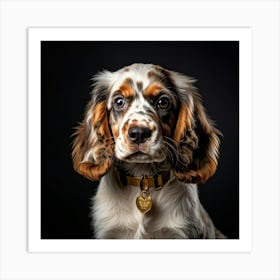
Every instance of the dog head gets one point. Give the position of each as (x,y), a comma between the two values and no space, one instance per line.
(145,114)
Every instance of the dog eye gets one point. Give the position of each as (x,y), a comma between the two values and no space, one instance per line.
(119,103)
(163,104)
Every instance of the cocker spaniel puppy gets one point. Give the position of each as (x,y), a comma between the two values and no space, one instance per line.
(147,138)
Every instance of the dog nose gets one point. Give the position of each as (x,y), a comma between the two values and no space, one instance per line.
(139,134)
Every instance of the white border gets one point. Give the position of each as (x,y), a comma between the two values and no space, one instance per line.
(262,16)
(243,35)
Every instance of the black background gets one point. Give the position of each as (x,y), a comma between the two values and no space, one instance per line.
(66,70)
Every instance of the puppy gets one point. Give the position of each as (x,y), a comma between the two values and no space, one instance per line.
(147,139)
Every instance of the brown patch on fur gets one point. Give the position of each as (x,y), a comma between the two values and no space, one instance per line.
(164,77)
(94,171)
(98,114)
(79,145)
(207,169)
(104,129)
(126,89)
(139,86)
(169,131)
(159,71)
(183,122)
(102,145)
(153,90)
(198,146)
(158,68)
(91,170)
(115,130)
(166,129)
(154,76)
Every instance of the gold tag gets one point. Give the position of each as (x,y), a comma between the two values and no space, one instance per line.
(144,204)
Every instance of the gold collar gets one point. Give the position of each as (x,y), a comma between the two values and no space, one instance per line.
(145,183)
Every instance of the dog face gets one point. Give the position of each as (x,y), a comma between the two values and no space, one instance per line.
(144,114)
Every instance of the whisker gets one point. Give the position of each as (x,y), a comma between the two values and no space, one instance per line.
(173,150)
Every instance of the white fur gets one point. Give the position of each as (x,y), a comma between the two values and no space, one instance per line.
(177,212)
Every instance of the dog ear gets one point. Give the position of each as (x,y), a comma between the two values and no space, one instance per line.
(93,145)
(197,140)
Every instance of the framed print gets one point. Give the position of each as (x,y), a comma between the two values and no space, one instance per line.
(61,64)
(219,60)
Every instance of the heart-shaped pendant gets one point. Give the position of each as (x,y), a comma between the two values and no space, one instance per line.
(144,204)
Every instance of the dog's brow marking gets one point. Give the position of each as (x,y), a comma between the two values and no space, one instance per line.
(153,90)
(126,89)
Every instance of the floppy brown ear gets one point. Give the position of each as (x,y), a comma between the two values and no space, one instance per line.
(198,142)
(93,143)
